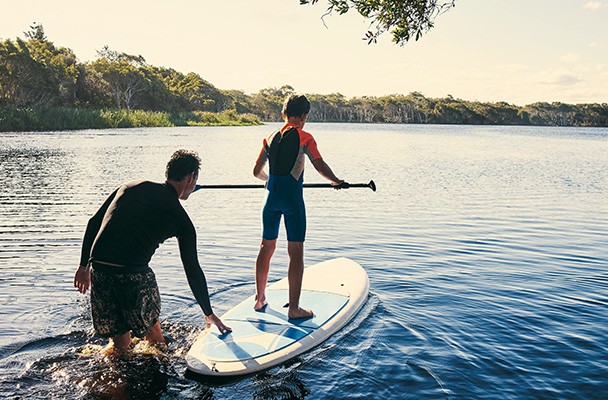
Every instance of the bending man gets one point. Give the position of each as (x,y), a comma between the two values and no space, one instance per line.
(119,242)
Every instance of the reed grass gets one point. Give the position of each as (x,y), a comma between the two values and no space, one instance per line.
(61,118)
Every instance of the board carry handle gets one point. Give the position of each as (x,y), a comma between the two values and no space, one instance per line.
(344,185)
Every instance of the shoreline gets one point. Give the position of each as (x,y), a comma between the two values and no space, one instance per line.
(20,120)
(69,119)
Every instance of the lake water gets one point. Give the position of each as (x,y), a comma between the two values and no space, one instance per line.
(486,248)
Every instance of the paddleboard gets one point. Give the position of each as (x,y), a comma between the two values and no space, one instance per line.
(335,290)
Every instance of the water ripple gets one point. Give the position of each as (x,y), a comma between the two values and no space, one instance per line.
(485,248)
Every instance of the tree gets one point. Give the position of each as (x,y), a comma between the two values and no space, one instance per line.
(36,32)
(36,73)
(158,95)
(240,101)
(268,102)
(112,55)
(124,74)
(193,93)
(60,68)
(404,19)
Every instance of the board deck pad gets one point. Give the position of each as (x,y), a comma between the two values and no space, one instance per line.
(256,333)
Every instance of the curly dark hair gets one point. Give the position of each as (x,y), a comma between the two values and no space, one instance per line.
(296,105)
(182,163)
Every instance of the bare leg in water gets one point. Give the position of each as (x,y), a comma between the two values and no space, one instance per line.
(122,342)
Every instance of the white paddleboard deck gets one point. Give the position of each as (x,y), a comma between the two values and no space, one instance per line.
(335,290)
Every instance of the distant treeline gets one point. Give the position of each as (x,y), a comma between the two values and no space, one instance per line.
(45,87)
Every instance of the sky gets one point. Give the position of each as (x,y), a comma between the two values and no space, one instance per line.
(518,51)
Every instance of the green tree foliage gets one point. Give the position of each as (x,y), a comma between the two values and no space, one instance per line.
(418,109)
(121,78)
(35,74)
(240,101)
(127,81)
(404,19)
(36,32)
(268,103)
(192,92)
(561,114)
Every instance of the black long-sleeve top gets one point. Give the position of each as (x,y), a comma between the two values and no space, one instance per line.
(133,221)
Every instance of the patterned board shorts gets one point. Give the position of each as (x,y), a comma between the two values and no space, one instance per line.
(123,302)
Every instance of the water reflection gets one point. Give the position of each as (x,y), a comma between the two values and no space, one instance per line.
(25,169)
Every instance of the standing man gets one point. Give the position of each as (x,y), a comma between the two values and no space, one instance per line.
(285,150)
(119,242)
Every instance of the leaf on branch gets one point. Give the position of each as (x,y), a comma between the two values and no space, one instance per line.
(371,37)
(404,19)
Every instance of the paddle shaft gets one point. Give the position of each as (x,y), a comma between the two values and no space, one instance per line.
(370,185)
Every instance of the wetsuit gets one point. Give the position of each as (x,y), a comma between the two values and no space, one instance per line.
(284,151)
(128,228)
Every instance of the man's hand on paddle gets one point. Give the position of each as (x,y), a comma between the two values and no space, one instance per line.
(82,279)
(213,319)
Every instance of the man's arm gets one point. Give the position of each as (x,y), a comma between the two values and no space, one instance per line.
(93,228)
(82,278)
(194,273)
(196,277)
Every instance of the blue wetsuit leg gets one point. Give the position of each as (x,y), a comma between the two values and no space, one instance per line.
(295,221)
(288,201)
(271,218)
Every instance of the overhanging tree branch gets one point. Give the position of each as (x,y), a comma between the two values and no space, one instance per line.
(404,19)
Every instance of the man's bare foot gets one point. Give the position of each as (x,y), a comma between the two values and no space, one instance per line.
(299,313)
(260,303)
(114,352)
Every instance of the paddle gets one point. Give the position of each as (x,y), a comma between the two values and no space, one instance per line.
(345,185)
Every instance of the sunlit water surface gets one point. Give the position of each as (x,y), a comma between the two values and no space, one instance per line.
(486,248)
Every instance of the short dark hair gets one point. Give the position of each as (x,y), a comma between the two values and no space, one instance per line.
(182,163)
(296,105)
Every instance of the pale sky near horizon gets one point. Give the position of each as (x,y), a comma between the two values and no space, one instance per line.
(519,51)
